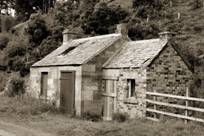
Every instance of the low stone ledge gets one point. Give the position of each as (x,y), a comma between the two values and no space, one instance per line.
(130,101)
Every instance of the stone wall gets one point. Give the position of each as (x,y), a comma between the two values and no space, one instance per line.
(168,73)
(133,106)
(53,92)
(92,79)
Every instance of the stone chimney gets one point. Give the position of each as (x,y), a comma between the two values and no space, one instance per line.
(68,35)
(122,29)
(166,35)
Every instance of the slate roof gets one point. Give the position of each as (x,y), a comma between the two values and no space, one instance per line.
(82,50)
(136,54)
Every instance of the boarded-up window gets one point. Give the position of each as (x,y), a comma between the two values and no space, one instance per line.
(44,84)
(131,88)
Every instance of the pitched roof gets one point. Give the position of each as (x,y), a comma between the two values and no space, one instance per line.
(136,54)
(79,51)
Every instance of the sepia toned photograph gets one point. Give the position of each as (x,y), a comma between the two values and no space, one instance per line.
(101,67)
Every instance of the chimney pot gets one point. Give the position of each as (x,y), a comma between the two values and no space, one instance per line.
(122,29)
(68,35)
(166,35)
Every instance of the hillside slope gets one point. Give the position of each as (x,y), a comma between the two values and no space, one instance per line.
(43,33)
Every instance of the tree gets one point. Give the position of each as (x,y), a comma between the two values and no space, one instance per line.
(25,8)
(67,13)
(197,4)
(148,8)
(5,5)
(103,19)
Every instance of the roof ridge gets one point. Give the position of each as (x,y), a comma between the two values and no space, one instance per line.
(102,50)
(79,54)
(116,53)
(142,41)
(98,36)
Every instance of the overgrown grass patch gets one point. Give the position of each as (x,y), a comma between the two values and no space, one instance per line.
(35,112)
(25,106)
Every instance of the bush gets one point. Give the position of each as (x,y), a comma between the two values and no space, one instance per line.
(140,31)
(25,70)
(196,4)
(16,64)
(7,22)
(148,8)
(37,30)
(120,117)
(16,87)
(4,39)
(16,48)
(91,116)
(47,46)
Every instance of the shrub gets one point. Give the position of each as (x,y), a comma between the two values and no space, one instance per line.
(47,46)
(37,30)
(140,31)
(120,117)
(148,8)
(3,41)
(25,70)
(91,116)
(16,64)
(57,33)
(7,22)
(16,87)
(16,48)
(196,4)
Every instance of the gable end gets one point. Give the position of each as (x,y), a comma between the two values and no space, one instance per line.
(173,45)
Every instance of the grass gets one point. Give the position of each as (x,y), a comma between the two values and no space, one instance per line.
(39,116)
(24,106)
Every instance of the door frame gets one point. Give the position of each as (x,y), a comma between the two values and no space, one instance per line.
(107,96)
(73,72)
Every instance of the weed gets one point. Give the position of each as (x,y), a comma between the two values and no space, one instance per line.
(120,117)
(91,116)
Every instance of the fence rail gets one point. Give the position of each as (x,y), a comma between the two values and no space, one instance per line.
(185,107)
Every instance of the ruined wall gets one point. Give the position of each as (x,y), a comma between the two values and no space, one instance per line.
(53,92)
(134,106)
(168,73)
(92,79)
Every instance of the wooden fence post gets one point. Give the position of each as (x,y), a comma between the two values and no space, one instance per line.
(154,98)
(186,111)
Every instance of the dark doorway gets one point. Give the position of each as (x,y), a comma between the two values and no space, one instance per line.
(44,83)
(67,95)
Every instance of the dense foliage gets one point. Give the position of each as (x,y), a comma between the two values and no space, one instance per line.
(4,39)
(103,19)
(42,33)
(16,87)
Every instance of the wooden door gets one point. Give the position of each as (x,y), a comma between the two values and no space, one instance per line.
(44,84)
(109,99)
(67,95)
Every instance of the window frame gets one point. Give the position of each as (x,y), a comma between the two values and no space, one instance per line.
(131,88)
(42,93)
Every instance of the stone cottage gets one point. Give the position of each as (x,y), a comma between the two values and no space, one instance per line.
(109,73)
